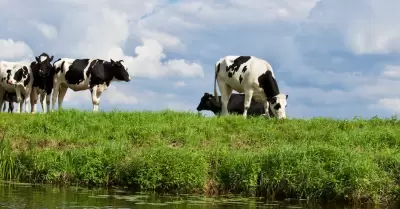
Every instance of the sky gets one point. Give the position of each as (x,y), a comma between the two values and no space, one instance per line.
(334,58)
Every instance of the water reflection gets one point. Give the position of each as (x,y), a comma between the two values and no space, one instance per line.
(17,196)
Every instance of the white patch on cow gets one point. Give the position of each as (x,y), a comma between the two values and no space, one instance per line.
(249,85)
(43,58)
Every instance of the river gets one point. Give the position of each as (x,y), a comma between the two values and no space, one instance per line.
(18,196)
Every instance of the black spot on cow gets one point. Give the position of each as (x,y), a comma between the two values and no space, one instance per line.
(240,78)
(75,75)
(218,68)
(277,107)
(28,78)
(230,74)
(269,84)
(239,61)
(244,69)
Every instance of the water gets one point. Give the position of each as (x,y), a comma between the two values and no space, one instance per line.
(18,196)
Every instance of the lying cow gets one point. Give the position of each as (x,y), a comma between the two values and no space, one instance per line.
(235,105)
(16,77)
(253,77)
(43,73)
(82,74)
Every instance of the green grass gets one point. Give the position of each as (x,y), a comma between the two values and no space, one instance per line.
(321,159)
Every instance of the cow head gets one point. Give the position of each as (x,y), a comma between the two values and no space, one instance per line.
(120,71)
(278,105)
(43,65)
(208,102)
(18,76)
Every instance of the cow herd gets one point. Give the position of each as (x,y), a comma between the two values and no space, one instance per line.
(23,81)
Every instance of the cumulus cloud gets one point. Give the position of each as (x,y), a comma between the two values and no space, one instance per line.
(14,50)
(391,104)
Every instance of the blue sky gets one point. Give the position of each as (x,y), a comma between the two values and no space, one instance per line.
(334,58)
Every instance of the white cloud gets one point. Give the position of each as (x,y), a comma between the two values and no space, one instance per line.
(391,71)
(179,84)
(391,104)
(47,30)
(115,96)
(14,50)
(369,30)
(148,63)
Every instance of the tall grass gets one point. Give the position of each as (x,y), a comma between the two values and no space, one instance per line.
(323,159)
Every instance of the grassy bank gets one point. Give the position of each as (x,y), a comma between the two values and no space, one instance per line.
(323,159)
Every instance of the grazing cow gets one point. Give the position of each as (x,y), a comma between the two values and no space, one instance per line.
(252,76)
(16,77)
(83,74)
(235,105)
(43,73)
(10,98)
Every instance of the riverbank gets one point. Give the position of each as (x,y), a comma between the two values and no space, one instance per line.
(321,159)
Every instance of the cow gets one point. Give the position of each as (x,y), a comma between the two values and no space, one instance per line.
(235,105)
(16,77)
(10,98)
(43,73)
(82,74)
(252,76)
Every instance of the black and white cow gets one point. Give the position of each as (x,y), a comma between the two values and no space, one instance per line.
(16,77)
(252,76)
(43,73)
(83,74)
(235,105)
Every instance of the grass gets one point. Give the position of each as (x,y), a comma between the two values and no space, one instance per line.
(319,159)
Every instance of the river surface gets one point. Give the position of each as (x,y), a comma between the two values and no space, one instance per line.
(18,196)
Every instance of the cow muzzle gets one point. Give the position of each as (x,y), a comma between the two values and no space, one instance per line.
(10,82)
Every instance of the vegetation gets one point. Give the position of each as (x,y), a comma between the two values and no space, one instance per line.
(323,159)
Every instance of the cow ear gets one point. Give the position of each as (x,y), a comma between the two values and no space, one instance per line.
(112,61)
(51,58)
(37,59)
(121,61)
(287,95)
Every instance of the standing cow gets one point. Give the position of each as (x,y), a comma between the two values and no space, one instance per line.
(43,73)
(16,77)
(235,105)
(83,74)
(252,76)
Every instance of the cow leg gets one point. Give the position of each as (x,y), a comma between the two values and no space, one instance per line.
(48,96)
(266,107)
(42,97)
(247,100)
(19,100)
(62,91)
(25,100)
(2,92)
(11,106)
(55,94)
(96,93)
(4,107)
(226,92)
(34,98)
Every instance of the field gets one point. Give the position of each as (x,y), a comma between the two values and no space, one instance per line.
(319,159)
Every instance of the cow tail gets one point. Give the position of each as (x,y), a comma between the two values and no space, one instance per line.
(217,67)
